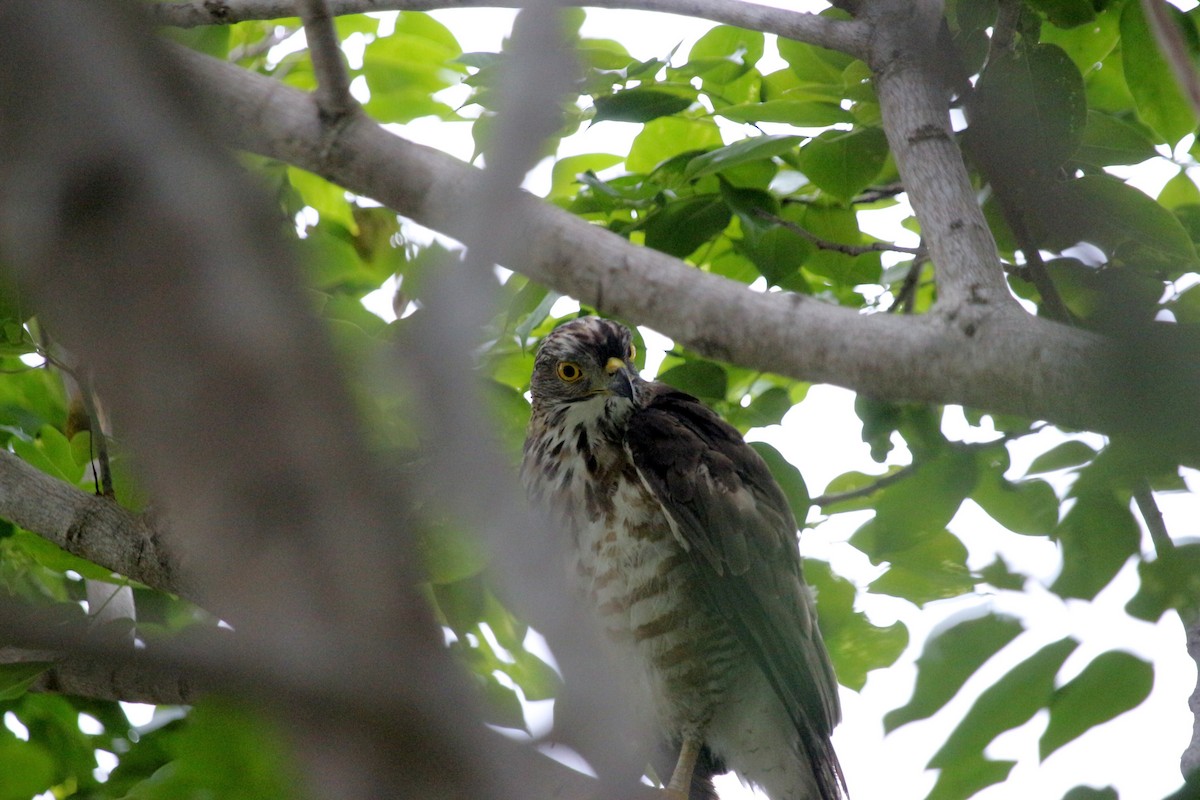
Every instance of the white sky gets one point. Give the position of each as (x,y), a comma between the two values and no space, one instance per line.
(1138,754)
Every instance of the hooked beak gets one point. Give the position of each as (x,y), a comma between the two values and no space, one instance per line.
(621,377)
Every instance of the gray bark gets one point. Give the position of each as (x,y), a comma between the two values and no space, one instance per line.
(977,349)
(846,36)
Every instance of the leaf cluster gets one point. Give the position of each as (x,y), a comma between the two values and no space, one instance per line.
(767,175)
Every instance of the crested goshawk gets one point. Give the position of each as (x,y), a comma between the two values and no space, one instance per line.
(686,547)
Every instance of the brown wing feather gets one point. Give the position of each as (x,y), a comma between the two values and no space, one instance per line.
(731,512)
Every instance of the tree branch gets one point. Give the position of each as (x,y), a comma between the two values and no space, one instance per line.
(1144,496)
(826,244)
(333,85)
(91,527)
(914,104)
(864,491)
(846,36)
(157,264)
(983,354)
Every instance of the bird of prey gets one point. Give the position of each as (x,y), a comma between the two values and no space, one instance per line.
(687,548)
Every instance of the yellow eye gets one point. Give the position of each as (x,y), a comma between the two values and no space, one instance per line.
(569,371)
(632,352)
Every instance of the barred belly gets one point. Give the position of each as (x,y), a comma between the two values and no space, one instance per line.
(641,582)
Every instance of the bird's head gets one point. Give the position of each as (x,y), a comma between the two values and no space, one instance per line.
(582,359)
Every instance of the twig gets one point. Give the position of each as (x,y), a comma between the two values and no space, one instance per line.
(262,46)
(846,36)
(887,480)
(826,244)
(99,436)
(1144,496)
(333,84)
(906,297)
(878,193)
(1174,49)
(1035,268)
(1004,33)
(869,489)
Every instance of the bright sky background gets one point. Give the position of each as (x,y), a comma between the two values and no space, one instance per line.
(1138,754)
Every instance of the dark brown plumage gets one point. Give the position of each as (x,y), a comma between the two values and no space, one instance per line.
(687,547)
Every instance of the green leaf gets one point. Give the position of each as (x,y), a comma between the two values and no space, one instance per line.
(16,678)
(839,225)
(502,705)
(1087,46)
(1090,793)
(1179,191)
(537,679)
(564,177)
(684,225)
(1112,684)
(332,261)
(51,453)
(1098,535)
(1160,102)
(950,657)
(1122,221)
(1032,109)
(423,26)
(28,769)
(777,251)
(448,554)
(642,104)
(53,557)
(768,408)
(405,69)
(856,646)
(224,751)
(999,575)
(852,482)
(918,507)
(969,776)
(1066,13)
(704,379)
(724,54)
(788,478)
(933,568)
(1062,456)
(1109,140)
(328,199)
(814,65)
(800,113)
(212,40)
(1006,704)
(666,137)
(1029,507)
(756,148)
(844,163)
(461,603)
(1171,581)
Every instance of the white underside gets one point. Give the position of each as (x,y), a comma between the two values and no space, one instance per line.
(753,734)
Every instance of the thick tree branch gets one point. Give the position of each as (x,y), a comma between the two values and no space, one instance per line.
(594,715)
(333,84)
(157,265)
(845,36)
(914,103)
(197,663)
(983,351)
(128,682)
(88,526)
